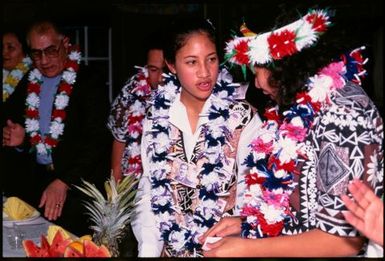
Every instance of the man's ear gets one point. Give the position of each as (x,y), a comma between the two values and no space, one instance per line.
(171,67)
(66,42)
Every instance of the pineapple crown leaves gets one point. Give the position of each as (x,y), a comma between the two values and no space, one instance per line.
(113,212)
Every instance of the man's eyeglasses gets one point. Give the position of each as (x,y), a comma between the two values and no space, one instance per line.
(50,52)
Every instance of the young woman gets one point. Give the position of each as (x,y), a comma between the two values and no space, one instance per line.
(193,135)
(324,132)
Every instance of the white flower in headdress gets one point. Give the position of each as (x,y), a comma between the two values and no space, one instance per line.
(306,36)
(259,50)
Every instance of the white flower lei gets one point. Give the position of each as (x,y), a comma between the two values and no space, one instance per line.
(44,145)
(11,79)
(185,238)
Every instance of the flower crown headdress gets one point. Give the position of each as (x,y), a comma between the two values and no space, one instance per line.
(264,48)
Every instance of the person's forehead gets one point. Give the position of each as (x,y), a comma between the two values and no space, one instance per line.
(48,38)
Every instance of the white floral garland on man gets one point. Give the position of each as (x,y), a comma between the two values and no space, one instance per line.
(44,145)
(216,134)
(11,79)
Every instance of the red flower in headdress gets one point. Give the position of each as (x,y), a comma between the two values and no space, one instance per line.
(35,139)
(241,50)
(318,21)
(282,44)
(51,142)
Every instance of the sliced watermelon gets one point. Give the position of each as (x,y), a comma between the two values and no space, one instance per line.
(72,252)
(32,250)
(92,250)
(59,244)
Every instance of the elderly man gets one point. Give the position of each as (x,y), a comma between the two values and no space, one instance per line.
(54,132)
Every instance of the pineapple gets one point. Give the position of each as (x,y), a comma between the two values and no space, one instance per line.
(110,215)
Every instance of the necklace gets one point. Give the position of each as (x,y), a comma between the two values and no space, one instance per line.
(44,145)
(11,79)
(183,238)
(141,92)
(275,151)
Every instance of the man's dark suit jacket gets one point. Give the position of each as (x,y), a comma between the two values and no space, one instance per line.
(83,150)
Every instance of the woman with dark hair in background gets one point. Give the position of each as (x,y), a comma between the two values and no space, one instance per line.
(16,62)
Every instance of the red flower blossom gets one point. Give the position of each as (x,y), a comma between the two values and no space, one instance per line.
(270,230)
(241,50)
(271,115)
(135,160)
(318,22)
(252,178)
(32,113)
(303,98)
(33,87)
(73,64)
(50,141)
(134,119)
(282,44)
(59,114)
(35,139)
(65,87)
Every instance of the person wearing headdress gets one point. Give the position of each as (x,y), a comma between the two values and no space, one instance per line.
(323,132)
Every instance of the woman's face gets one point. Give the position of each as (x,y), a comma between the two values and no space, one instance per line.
(262,82)
(12,51)
(196,66)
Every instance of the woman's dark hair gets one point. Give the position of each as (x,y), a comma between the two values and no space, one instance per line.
(20,36)
(291,73)
(181,29)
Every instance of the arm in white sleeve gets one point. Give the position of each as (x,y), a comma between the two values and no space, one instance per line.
(247,135)
(143,222)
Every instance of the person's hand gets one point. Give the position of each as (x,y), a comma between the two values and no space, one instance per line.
(13,134)
(227,226)
(366,212)
(228,247)
(53,199)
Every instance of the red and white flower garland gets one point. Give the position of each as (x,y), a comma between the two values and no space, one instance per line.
(275,151)
(277,44)
(44,145)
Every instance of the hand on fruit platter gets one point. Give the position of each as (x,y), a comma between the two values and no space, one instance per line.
(13,134)
(53,199)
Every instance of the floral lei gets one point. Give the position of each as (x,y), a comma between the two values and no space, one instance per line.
(140,92)
(279,143)
(44,145)
(14,76)
(181,238)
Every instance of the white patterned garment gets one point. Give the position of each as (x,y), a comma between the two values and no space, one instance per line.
(345,142)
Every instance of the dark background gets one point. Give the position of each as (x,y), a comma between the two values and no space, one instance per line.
(131,23)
